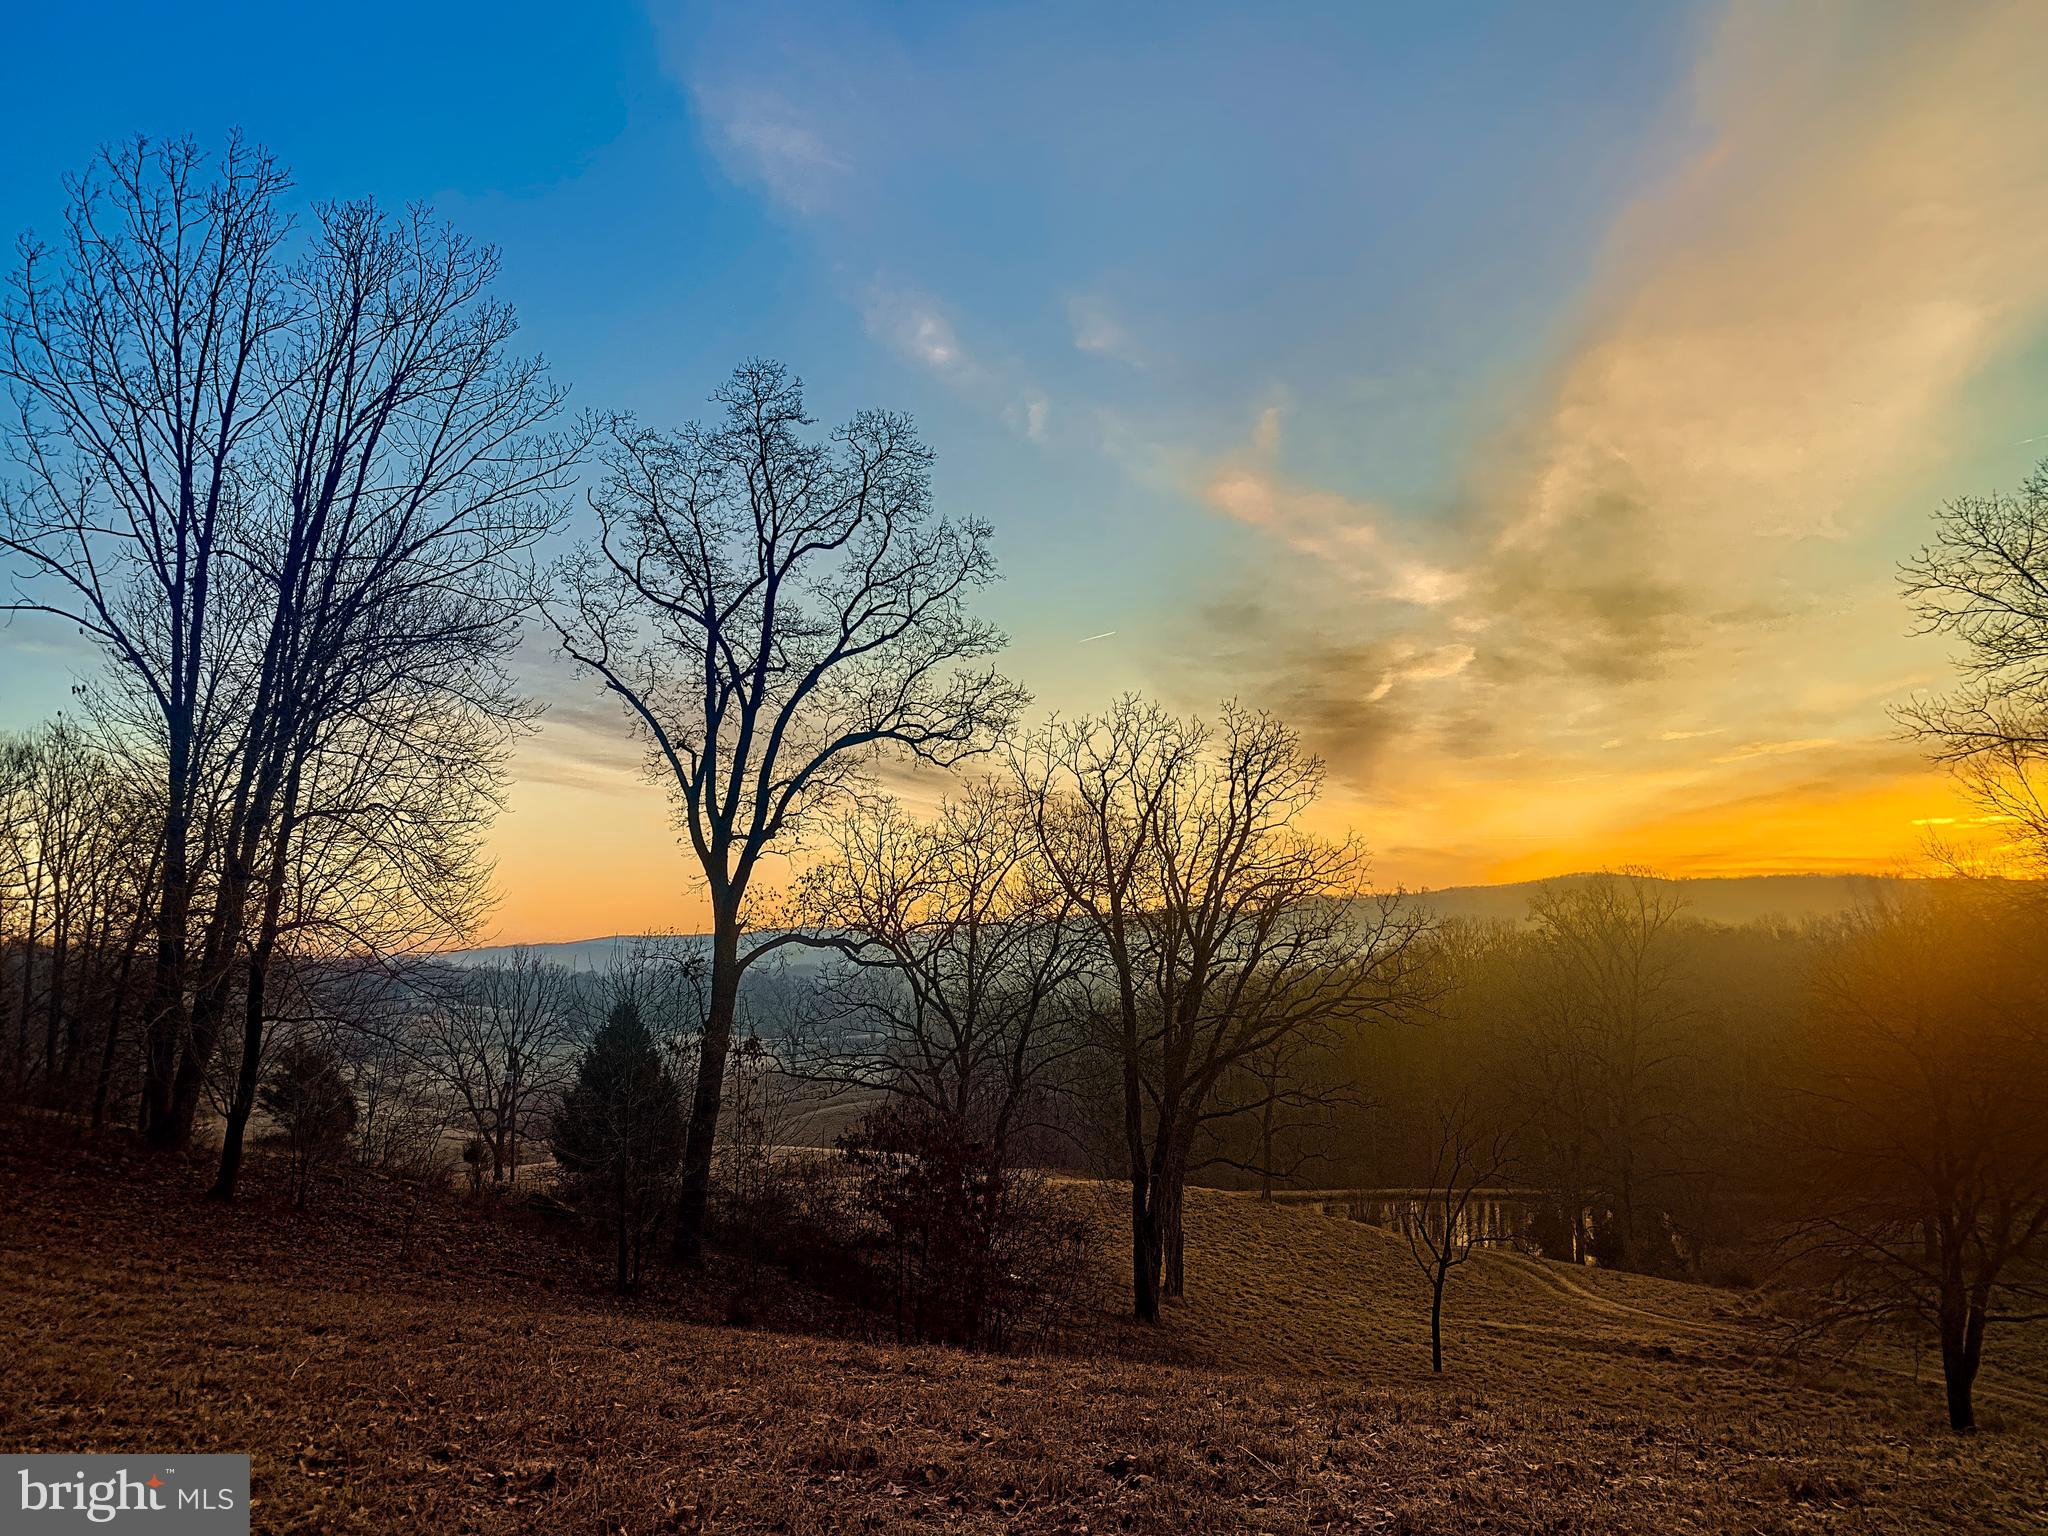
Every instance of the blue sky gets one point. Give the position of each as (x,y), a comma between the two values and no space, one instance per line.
(1300,346)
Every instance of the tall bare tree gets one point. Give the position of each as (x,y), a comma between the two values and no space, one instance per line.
(1914,1125)
(965,957)
(135,346)
(282,491)
(773,612)
(1604,993)
(1224,929)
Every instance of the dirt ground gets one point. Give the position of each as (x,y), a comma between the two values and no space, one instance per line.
(464,1371)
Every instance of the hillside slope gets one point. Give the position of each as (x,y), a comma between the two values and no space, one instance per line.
(1285,1290)
(483,1384)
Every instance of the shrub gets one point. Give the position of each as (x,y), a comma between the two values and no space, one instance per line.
(308,1096)
(977,1253)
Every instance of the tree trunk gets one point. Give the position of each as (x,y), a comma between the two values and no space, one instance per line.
(1962,1350)
(1266,1147)
(260,959)
(136,928)
(209,1012)
(167,990)
(1436,1322)
(28,981)
(1145,1251)
(103,1084)
(1958,1376)
(244,1102)
(702,1137)
(60,954)
(1172,1198)
(619,1204)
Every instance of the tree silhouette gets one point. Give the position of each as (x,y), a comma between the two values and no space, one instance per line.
(774,612)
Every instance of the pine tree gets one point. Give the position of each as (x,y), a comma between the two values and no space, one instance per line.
(619,1134)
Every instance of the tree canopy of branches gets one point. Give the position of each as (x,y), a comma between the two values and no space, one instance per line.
(1222,928)
(1915,1124)
(773,612)
(76,866)
(1603,998)
(285,489)
(499,1040)
(1982,582)
(961,993)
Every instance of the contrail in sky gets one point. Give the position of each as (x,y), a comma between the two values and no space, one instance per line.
(1088,638)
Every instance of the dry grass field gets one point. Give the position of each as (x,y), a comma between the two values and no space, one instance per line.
(487,1384)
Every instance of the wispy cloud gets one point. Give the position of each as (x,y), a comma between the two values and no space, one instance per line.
(763,139)
(1775,337)
(918,328)
(921,329)
(1097,330)
(1349,538)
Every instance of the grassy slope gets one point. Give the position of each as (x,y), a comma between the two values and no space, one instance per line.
(1286,1290)
(487,1385)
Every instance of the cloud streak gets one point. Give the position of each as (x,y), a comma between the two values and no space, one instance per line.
(1777,335)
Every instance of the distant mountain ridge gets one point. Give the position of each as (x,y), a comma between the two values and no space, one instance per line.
(1730,899)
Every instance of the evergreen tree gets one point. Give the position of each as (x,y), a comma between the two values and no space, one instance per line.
(619,1134)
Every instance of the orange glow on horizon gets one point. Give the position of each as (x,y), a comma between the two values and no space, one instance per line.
(587,862)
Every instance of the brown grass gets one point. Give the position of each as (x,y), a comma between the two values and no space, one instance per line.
(490,1386)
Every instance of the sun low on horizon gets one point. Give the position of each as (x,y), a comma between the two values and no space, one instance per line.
(1531,406)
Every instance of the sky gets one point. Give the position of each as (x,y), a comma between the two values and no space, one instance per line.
(1530,403)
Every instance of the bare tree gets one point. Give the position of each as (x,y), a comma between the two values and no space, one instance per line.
(134,347)
(774,612)
(1223,928)
(964,957)
(280,492)
(70,825)
(1271,1113)
(18,876)
(1983,582)
(502,1045)
(1915,1124)
(405,468)
(1603,997)
(74,844)
(1467,1151)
